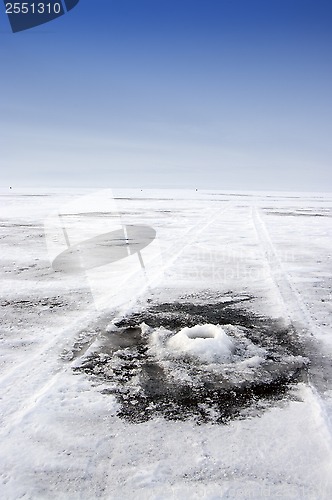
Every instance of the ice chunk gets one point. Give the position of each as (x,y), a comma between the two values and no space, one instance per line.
(209,343)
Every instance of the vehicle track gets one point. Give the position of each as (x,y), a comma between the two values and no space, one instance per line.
(27,383)
(296,311)
(295,307)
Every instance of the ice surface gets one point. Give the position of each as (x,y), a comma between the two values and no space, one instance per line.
(208,343)
(61,431)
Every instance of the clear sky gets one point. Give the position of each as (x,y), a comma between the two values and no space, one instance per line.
(225,94)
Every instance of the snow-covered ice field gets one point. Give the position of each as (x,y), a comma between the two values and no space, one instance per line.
(138,399)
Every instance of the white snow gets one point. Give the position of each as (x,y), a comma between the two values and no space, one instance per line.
(208,343)
(62,437)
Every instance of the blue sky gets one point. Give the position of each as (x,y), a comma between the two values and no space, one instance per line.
(225,94)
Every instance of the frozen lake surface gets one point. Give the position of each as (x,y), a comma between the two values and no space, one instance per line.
(165,344)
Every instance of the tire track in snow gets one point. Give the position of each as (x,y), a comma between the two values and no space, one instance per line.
(26,384)
(60,337)
(295,307)
(191,233)
(296,310)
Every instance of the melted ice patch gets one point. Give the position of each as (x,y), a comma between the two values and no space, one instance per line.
(207,371)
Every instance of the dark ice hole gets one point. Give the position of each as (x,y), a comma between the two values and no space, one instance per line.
(146,388)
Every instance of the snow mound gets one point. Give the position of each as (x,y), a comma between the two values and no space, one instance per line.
(209,343)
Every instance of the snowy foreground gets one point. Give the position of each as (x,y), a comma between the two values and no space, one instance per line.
(115,389)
